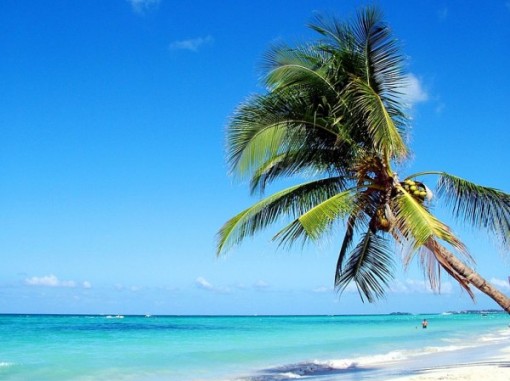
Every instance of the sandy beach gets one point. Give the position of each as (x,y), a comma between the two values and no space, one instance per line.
(495,368)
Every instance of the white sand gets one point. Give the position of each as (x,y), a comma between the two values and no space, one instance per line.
(491,369)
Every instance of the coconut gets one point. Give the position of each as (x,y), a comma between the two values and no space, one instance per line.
(384,224)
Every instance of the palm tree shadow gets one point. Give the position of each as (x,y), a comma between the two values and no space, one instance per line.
(311,370)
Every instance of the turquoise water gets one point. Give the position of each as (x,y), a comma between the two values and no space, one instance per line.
(169,348)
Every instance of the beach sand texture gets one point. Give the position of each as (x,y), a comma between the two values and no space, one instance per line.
(491,369)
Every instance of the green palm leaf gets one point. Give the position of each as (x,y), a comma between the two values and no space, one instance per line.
(336,32)
(333,110)
(417,225)
(310,161)
(346,244)
(315,222)
(294,200)
(380,125)
(264,127)
(479,206)
(369,266)
(305,66)
(374,91)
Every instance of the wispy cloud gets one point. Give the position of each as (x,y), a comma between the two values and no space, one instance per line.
(192,44)
(204,284)
(122,288)
(323,290)
(261,285)
(141,6)
(409,286)
(53,281)
(412,91)
(500,283)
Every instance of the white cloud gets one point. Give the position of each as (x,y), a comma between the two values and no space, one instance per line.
(47,281)
(203,283)
(351,289)
(140,6)
(500,283)
(322,289)
(120,287)
(397,287)
(261,285)
(412,92)
(53,281)
(407,286)
(410,286)
(192,44)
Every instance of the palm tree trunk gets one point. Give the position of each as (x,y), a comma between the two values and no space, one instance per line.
(471,277)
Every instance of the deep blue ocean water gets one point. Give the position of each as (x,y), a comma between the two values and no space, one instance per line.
(265,348)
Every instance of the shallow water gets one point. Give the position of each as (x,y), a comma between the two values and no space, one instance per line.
(170,348)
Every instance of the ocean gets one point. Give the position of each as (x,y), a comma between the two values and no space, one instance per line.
(240,348)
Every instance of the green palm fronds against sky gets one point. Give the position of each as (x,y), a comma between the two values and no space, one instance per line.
(333,112)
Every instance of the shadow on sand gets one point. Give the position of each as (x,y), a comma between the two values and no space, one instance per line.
(317,371)
(310,370)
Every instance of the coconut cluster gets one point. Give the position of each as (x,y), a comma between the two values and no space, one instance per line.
(416,189)
(382,222)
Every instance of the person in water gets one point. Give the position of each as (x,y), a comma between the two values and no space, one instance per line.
(424,323)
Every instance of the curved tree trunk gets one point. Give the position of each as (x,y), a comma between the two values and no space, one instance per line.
(471,277)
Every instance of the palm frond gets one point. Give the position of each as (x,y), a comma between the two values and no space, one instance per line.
(416,225)
(479,206)
(310,162)
(381,127)
(381,51)
(370,267)
(262,146)
(265,126)
(315,222)
(305,66)
(429,264)
(441,254)
(334,31)
(293,201)
(358,221)
(346,244)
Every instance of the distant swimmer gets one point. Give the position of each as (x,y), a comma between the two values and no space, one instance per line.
(424,323)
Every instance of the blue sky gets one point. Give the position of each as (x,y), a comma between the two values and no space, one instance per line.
(112,159)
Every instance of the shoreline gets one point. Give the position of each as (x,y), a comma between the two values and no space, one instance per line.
(490,362)
(255,348)
(486,357)
(493,369)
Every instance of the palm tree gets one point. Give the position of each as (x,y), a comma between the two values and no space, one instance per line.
(334,115)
